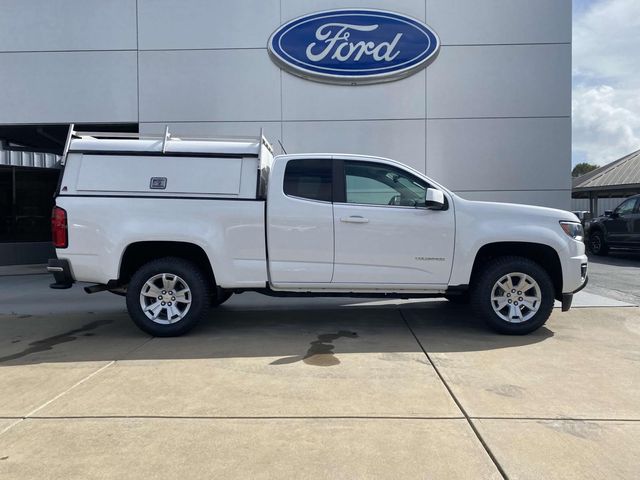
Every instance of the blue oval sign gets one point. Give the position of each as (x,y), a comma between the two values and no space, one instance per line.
(353,46)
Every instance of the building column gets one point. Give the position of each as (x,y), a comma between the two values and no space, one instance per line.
(593,204)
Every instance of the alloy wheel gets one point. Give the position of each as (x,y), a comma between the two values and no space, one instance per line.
(165,298)
(516,297)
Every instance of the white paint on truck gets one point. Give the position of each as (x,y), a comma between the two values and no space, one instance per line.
(314,223)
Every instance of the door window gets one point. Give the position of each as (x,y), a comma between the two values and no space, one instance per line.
(379,184)
(309,178)
(627,207)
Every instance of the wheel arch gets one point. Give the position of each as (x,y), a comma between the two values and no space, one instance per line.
(597,227)
(544,255)
(138,253)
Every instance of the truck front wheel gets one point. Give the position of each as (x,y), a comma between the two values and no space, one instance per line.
(167,297)
(597,243)
(514,295)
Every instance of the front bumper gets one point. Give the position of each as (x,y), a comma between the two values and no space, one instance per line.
(61,271)
(567,298)
(574,271)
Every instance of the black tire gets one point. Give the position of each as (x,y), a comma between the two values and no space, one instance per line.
(220,297)
(597,243)
(491,273)
(460,299)
(199,296)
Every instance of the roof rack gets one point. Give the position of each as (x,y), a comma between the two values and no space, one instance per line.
(165,137)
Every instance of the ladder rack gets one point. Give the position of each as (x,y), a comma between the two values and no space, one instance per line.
(165,137)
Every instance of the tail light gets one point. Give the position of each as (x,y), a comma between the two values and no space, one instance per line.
(59,228)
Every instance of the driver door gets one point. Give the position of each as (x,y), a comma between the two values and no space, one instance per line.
(384,236)
(620,226)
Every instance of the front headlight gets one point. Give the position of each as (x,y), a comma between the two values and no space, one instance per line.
(573,229)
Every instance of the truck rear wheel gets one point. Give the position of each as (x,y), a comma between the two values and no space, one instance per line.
(514,295)
(167,297)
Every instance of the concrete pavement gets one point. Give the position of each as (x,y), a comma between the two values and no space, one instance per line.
(309,388)
(616,276)
(560,449)
(243,448)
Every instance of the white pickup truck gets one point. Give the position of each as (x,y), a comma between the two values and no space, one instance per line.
(178,226)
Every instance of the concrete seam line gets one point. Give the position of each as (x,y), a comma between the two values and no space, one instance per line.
(474,429)
(560,419)
(91,375)
(20,420)
(124,357)
(80,382)
(231,417)
(322,417)
(10,426)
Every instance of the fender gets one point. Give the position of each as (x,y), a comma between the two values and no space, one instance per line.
(481,223)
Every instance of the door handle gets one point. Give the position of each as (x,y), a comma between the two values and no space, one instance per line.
(354,219)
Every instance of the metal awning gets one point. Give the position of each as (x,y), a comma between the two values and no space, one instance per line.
(620,178)
(50,138)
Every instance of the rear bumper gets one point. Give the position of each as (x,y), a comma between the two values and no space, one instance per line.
(61,271)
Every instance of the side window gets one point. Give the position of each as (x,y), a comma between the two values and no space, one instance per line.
(626,207)
(309,178)
(379,184)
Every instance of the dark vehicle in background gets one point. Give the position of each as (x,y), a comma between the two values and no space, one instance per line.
(583,215)
(619,228)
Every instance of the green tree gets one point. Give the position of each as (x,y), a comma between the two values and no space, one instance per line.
(582,168)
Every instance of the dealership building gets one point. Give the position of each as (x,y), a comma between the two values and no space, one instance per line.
(489,115)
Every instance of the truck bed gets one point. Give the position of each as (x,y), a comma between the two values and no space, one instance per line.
(102,226)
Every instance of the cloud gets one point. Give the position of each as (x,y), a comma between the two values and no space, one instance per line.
(606,122)
(606,93)
(605,41)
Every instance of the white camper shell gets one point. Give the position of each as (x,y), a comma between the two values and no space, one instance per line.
(217,168)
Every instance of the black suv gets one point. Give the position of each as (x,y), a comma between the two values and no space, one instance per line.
(617,229)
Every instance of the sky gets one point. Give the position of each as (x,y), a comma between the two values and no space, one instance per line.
(606,80)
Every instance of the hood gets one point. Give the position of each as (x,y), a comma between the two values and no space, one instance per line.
(508,209)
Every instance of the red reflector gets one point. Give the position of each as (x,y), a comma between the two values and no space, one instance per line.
(59,227)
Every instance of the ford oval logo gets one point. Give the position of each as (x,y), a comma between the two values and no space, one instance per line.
(353,46)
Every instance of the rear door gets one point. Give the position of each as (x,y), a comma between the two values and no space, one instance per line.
(300,222)
(384,236)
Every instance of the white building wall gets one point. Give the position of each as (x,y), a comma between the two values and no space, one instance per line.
(490,117)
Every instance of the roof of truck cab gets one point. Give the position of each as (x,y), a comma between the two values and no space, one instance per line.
(173,146)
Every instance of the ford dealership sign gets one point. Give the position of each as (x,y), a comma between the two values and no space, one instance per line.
(353,46)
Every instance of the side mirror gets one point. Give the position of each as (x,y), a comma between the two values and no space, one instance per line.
(608,213)
(434,199)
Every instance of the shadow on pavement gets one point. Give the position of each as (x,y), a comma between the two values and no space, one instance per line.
(233,332)
(620,258)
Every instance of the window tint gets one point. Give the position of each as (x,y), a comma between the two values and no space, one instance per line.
(377,184)
(309,178)
(626,207)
